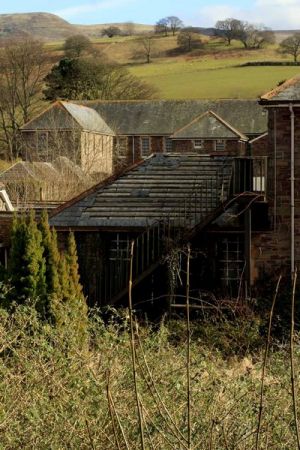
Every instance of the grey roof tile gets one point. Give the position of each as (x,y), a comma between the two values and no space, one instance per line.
(163,187)
(209,126)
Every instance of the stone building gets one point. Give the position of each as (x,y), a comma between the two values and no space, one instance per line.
(103,137)
(238,204)
(279,247)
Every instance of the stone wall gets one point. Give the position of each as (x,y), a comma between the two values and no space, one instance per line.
(96,153)
(271,250)
(47,145)
(259,145)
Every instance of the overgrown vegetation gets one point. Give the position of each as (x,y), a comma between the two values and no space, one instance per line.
(72,381)
(56,395)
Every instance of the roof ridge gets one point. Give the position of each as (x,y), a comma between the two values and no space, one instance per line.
(228,125)
(282,87)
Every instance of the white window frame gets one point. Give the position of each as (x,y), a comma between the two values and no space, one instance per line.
(199,144)
(220,142)
(147,152)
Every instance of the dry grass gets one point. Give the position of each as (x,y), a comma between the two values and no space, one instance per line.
(54,395)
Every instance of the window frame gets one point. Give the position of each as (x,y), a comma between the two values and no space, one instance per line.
(198,147)
(219,142)
(142,140)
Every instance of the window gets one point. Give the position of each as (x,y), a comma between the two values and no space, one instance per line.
(42,144)
(198,144)
(145,147)
(168,145)
(232,261)
(220,145)
(122,147)
(120,248)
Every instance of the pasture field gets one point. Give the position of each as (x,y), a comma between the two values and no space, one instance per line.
(212,71)
(211,78)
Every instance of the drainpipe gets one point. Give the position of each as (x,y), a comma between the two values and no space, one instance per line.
(133,153)
(292,190)
(275,171)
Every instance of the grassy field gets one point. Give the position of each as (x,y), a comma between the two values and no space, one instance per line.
(191,80)
(55,395)
(209,72)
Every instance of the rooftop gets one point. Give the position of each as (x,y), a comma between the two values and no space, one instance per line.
(210,126)
(152,117)
(173,187)
(289,91)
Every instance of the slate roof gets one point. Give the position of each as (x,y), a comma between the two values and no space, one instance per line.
(286,92)
(164,117)
(209,126)
(88,118)
(161,187)
(67,115)
(154,117)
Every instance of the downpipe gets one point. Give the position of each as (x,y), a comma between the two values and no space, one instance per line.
(292,190)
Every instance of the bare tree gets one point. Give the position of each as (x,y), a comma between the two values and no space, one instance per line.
(187,40)
(146,44)
(291,46)
(75,45)
(162,27)
(255,37)
(174,24)
(23,66)
(228,29)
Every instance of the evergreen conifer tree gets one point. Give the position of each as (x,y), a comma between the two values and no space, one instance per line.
(75,288)
(52,258)
(27,265)
(77,307)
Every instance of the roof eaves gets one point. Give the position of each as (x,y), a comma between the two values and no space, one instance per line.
(230,127)
(111,133)
(257,138)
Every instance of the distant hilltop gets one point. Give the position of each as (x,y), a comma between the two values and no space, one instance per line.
(49,27)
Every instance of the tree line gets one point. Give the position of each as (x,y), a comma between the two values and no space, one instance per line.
(31,76)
